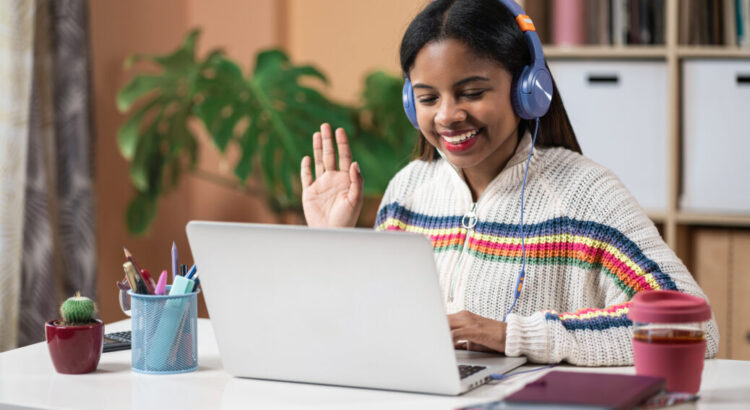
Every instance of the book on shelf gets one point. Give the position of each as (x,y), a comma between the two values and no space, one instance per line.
(640,22)
(598,22)
(714,22)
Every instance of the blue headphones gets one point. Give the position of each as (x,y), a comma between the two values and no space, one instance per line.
(531,91)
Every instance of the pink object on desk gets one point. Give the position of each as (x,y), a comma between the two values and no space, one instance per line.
(579,389)
(669,337)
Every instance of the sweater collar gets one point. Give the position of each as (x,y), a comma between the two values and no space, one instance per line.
(511,173)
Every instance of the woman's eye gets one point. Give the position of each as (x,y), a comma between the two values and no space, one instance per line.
(426,100)
(473,94)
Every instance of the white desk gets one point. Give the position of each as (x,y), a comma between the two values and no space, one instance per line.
(28,380)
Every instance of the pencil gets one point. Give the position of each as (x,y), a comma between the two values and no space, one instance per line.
(130,258)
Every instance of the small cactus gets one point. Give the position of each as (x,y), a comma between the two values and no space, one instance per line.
(78,310)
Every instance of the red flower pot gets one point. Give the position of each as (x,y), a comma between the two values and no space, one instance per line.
(75,349)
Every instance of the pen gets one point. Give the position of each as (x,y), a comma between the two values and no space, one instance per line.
(183,270)
(191,273)
(174,260)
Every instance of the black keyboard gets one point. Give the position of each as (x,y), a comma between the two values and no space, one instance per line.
(119,336)
(116,341)
(465,370)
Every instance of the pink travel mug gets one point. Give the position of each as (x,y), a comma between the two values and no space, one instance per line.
(669,337)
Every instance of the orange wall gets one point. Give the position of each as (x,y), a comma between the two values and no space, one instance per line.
(347,39)
(344,38)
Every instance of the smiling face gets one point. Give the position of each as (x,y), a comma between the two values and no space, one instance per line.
(464,109)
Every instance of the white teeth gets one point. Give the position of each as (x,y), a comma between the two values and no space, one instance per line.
(460,138)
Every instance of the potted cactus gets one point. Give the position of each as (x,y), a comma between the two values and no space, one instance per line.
(75,342)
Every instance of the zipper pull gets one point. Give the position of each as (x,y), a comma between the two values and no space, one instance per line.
(469,220)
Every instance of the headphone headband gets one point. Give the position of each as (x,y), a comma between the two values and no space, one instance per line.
(531,91)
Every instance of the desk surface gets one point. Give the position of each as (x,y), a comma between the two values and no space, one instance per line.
(28,380)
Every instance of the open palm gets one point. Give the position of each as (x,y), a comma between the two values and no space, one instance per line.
(334,197)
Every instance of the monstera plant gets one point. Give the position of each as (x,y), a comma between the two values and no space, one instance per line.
(269,114)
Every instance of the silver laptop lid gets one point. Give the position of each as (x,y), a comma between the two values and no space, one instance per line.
(344,307)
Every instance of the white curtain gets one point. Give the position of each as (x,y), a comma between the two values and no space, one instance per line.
(16,72)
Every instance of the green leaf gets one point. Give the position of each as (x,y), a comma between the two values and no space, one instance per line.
(249,143)
(270,60)
(182,57)
(309,71)
(140,213)
(137,88)
(141,168)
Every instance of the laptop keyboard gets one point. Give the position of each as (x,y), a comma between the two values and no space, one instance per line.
(465,370)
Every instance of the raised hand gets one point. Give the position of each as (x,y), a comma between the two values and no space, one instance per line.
(334,198)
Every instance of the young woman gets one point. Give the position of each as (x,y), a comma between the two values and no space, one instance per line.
(588,245)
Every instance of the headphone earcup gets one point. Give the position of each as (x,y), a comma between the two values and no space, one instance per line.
(514,98)
(407,96)
(531,93)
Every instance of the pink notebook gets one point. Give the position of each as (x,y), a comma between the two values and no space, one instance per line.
(612,391)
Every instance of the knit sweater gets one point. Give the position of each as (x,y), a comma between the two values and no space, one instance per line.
(589,249)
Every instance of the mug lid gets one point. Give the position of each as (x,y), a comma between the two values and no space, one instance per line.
(668,306)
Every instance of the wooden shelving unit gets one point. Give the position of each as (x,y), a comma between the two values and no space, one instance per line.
(714,246)
(673,220)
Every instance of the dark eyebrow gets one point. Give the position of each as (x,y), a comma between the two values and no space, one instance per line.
(458,83)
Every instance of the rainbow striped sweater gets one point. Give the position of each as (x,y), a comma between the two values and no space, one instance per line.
(589,249)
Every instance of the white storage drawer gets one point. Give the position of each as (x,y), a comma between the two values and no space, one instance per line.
(716,136)
(619,114)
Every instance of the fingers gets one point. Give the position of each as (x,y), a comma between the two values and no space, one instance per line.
(478,347)
(466,334)
(318,154)
(355,187)
(460,319)
(329,152)
(479,332)
(345,154)
(305,172)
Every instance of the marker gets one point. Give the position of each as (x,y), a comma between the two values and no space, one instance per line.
(161,287)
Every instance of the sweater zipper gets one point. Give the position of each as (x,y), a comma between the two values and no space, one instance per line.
(468,221)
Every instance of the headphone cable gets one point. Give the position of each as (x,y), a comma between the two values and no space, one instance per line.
(522,272)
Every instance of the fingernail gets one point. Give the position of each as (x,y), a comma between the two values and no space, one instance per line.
(357,165)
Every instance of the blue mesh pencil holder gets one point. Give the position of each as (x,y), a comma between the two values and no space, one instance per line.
(164,336)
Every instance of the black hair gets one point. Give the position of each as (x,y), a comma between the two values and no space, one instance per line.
(490,30)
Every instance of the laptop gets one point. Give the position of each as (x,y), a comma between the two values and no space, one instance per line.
(345,307)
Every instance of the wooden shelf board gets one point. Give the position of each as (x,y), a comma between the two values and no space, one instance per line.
(614,52)
(596,51)
(691,218)
(657,217)
(713,52)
